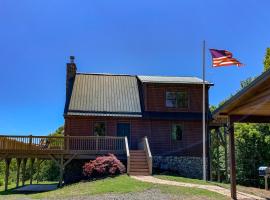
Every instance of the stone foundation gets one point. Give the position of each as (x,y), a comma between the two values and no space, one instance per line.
(190,167)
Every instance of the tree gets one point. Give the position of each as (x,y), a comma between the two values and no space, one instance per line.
(266,61)
(246,82)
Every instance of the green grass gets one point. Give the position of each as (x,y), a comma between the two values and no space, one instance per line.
(120,184)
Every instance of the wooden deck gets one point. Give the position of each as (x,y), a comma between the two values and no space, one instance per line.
(44,146)
(62,150)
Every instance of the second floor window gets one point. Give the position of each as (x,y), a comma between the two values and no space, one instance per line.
(99,129)
(177,99)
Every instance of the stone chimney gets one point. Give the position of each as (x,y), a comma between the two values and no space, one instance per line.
(71,73)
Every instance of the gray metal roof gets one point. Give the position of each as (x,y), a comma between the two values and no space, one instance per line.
(171,79)
(105,95)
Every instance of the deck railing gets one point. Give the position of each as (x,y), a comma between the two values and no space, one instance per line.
(128,155)
(144,145)
(81,144)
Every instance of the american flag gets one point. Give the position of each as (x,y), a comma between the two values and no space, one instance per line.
(223,58)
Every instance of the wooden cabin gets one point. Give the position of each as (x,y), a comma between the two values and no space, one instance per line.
(146,121)
(166,110)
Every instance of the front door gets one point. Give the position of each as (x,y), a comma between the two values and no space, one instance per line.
(123,130)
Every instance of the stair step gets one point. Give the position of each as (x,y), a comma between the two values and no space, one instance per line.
(140,160)
(137,156)
(143,155)
(136,151)
(139,165)
(139,170)
(139,173)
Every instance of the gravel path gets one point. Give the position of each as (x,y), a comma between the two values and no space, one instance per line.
(213,188)
(152,194)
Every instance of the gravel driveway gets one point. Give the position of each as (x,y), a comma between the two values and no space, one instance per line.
(152,194)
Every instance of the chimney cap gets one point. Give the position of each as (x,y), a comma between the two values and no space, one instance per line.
(72,58)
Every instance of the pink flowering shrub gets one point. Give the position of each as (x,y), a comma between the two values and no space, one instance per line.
(103,166)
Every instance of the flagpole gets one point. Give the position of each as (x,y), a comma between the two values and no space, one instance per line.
(203,116)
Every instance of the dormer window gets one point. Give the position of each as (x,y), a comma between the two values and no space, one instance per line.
(177,99)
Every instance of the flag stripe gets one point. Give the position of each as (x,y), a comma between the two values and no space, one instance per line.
(223,58)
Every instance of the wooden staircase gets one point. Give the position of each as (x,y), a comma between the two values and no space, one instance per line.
(138,163)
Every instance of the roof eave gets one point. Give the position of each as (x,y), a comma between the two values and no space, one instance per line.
(258,80)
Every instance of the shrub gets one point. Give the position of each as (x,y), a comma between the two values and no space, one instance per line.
(103,166)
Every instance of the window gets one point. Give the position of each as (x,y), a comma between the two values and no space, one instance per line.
(99,128)
(177,99)
(177,132)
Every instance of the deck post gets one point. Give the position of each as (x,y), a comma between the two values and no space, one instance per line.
(7,161)
(61,171)
(32,160)
(218,155)
(30,142)
(18,160)
(232,160)
(38,168)
(226,153)
(67,147)
(97,143)
(210,156)
(23,170)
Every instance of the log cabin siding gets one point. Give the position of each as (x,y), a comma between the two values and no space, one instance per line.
(155,97)
(157,131)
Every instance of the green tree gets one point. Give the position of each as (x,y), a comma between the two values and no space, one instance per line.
(246,82)
(266,61)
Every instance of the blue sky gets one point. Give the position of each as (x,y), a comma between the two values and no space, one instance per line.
(150,37)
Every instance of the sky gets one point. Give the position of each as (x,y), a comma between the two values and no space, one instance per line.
(153,37)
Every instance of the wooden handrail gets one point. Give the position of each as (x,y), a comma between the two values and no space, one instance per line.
(145,146)
(93,144)
(79,136)
(128,155)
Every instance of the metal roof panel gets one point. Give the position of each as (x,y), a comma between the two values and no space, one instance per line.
(172,79)
(105,93)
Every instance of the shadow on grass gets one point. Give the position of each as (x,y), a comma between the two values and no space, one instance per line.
(30,189)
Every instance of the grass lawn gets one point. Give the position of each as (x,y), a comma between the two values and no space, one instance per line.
(251,190)
(120,184)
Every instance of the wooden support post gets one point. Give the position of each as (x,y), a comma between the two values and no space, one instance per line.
(218,155)
(18,171)
(266,182)
(226,153)
(61,171)
(232,160)
(38,168)
(32,160)
(23,170)
(67,147)
(30,142)
(7,161)
(210,156)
